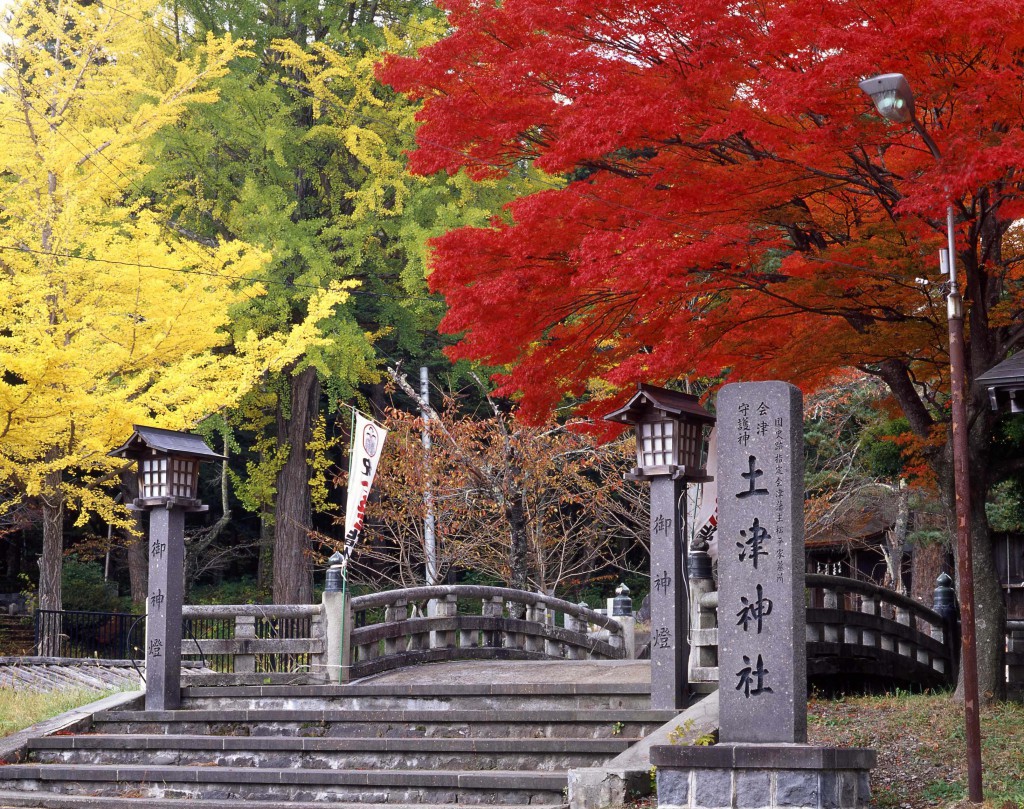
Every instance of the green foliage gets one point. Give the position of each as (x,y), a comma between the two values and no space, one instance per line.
(679,734)
(1005,506)
(883,455)
(240,591)
(84,587)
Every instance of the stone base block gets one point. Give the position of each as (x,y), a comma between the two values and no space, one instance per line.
(763,776)
(593,787)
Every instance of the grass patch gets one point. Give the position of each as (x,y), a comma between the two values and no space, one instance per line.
(921,749)
(20,709)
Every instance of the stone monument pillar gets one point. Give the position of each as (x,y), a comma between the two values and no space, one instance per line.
(670,650)
(762,633)
(762,759)
(163,609)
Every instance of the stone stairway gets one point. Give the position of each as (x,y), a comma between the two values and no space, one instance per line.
(385,742)
(17,637)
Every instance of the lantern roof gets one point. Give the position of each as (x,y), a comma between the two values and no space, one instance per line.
(171,442)
(660,402)
(1005,381)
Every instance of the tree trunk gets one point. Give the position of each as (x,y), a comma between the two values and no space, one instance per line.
(265,562)
(896,541)
(293,575)
(927,563)
(13,554)
(51,563)
(518,550)
(989,607)
(135,542)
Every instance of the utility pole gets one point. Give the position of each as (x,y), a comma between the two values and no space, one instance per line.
(429,540)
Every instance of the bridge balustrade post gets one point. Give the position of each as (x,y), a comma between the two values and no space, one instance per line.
(851,632)
(534,614)
(336,626)
(1015,652)
(418,639)
(944,603)
(492,607)
(394,613)
(830,601)
(904,618)
(245,629)
(704,641)
(573,624)
(316,632)
(447,608)
(552,648)
(512,639)
(869,606)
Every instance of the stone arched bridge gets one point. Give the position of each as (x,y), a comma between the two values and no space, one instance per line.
(858,634)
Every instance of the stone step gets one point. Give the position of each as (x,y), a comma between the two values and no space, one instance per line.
(543,754)
(264,783)
(439,696)
(42,799)
(590,724)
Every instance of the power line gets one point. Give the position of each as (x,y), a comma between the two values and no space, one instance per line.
(185,271)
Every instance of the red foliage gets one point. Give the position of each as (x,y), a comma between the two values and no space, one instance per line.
(735,202)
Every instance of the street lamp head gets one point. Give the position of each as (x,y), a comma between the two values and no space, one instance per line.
(892,95)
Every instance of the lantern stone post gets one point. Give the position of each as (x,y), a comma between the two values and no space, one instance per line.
(168,469)
(670,449)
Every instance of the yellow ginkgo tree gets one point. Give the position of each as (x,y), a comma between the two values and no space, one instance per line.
(109,316)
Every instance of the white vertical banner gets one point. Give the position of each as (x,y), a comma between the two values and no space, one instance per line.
(705,526)
(367,442)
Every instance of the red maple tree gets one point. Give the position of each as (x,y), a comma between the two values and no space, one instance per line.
(722,197)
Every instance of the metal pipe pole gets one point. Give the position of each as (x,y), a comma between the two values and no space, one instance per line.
(429,536)
(962,487)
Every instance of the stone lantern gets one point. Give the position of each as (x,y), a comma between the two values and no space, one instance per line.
(671,450)
(671,433)
(168,469)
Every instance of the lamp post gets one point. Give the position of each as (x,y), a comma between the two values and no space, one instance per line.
(894,101)
(168,469)
(671,448)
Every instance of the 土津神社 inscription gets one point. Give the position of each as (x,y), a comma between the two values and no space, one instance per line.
(762,644)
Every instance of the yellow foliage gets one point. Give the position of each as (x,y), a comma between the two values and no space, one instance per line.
(109,317)
(344,94)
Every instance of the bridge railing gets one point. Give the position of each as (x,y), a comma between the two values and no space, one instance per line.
(1015,655)
(852,627)
(254,638)
(890,632)
(446,622)
(849,623)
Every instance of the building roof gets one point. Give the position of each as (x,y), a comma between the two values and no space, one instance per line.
(1009,372)
(169,441)
(666,402)
(1005,383)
